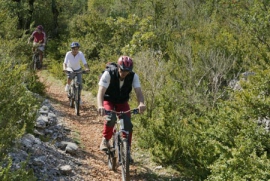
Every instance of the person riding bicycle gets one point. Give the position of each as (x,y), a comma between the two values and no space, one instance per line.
(39,41)
(72,60)
(115,86)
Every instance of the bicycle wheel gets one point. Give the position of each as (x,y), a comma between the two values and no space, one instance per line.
(112,156)
(77,100)
(71,96)
(38,64)
(34,62)
(124,152)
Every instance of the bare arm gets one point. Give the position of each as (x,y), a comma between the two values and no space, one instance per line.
(100,99)
(86,67)
(140,99)
(30,39)
(64,66)
(45,41)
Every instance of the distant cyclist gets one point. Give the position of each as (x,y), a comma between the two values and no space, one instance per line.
(39,37)
(115,86)
(72,60)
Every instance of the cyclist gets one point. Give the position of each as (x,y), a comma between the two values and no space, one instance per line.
(39,37)
(115,86)
(72,60)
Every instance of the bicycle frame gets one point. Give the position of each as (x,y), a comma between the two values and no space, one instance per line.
(120,147)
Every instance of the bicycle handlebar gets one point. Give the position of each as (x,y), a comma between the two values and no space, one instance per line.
(133,111)
(80,72)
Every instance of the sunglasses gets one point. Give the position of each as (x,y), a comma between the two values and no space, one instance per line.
(124,70)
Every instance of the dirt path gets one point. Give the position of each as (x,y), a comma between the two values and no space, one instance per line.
(87,130)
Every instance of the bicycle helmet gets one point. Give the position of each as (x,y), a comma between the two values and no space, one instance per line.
(40,27)
(125,63)
(74,44)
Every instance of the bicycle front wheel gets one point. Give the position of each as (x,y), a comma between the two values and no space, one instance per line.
(125,155)
(34,60)
(77,100)
(71,97)
(112,156)
(38,64)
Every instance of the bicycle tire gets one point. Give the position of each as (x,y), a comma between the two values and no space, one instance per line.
(71,97)
(125,156)
(77,100)
(34,60)
(112,156)
(38,64)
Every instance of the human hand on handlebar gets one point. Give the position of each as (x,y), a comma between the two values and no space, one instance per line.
(101,111)
(141,108)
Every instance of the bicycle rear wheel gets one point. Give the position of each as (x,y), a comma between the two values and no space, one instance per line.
(125,155)
(77,100)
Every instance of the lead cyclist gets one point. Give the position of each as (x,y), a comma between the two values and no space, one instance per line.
(115,86)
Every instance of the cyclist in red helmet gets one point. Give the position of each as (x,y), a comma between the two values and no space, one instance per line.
(39,40)
(115,86)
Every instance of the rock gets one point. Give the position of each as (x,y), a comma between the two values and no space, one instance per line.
(71,148)
(45,157)
(65,170)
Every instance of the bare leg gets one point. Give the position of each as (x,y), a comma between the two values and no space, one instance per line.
(68,81)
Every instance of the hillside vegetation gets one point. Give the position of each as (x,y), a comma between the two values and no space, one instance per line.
(186,53)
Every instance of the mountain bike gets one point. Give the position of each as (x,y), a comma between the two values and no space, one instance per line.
(35,59)
(120,147)
(74,93)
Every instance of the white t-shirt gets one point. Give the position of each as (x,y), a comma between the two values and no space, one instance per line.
(106,78)
(74,62)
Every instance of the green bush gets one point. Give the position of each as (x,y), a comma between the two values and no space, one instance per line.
(21,174)
(224,143)
(17,109)
(91,80)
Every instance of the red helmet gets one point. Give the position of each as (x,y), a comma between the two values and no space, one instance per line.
(40,27)
(125,63)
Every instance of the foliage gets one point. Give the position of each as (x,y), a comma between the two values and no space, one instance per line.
(17,110)
(21,174)
(245,148)
(21,102)
(217,143)
(91,79)
(55,68)
(34,85)
(186,52)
